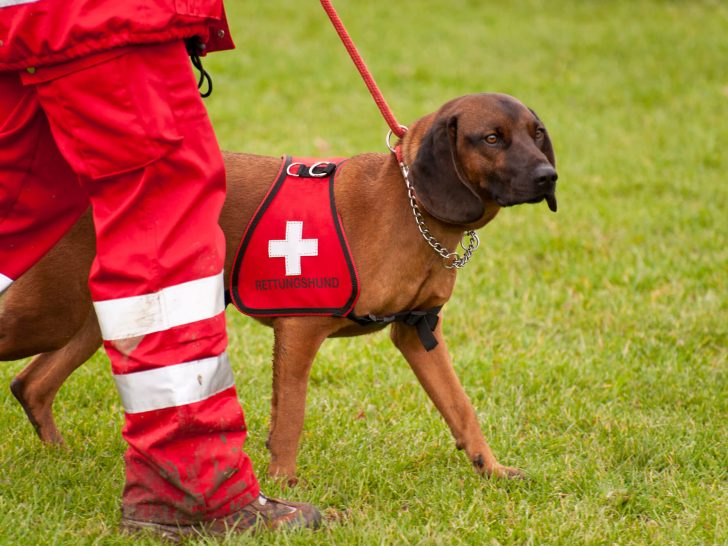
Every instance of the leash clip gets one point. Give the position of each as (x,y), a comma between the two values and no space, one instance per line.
(388,142)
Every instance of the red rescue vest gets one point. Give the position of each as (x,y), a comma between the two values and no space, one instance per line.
(294,258)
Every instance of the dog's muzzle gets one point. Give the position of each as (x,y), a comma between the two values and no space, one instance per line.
(540,184)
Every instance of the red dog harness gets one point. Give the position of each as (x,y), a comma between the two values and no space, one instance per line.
(294,259)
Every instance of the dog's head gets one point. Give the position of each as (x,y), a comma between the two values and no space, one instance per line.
(480,149)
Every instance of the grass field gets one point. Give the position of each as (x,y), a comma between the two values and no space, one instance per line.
(593,342)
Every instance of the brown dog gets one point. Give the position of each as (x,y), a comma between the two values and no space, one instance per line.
(478,153)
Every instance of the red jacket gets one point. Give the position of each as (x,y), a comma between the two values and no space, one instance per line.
(44,32)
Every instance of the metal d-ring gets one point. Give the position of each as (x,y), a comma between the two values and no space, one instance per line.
(389,137)
(288,169)
(318,164)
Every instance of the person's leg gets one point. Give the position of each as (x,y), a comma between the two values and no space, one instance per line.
(136,131)
(40,198)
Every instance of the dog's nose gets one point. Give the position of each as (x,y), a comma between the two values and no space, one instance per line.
(545,176)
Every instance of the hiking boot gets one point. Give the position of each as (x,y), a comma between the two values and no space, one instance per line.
(261,514)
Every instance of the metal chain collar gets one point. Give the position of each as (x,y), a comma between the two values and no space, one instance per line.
(455,260)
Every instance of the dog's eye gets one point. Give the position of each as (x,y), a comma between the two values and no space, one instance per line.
(540,132)
(492,139)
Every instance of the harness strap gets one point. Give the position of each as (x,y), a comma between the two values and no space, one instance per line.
(425,321)
(320,169)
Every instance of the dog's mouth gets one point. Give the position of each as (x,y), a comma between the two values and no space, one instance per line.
(551,201)
(549,197)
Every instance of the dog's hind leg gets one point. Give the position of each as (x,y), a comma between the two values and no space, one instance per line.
(296,343)
(436,374)
(36,385)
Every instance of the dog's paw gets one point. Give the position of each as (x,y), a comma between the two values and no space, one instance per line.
(496,470)
(284,477)
(510,472)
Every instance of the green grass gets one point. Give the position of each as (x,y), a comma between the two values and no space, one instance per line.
(593,343)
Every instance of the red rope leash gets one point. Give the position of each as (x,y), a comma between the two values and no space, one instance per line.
(397,129)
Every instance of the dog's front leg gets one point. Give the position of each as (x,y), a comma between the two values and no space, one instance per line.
(297,341)
(436,374)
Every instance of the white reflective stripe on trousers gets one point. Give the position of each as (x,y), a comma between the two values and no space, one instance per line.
(172,306)
(174,385)
(7,3)
(5,283)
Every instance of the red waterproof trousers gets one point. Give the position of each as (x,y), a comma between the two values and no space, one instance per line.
(126,131)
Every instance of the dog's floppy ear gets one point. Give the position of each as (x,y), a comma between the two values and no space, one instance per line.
(547,148)
(437,176)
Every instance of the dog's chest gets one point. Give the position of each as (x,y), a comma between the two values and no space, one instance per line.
(294,259)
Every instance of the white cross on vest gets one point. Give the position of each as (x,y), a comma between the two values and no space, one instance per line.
(293,248)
